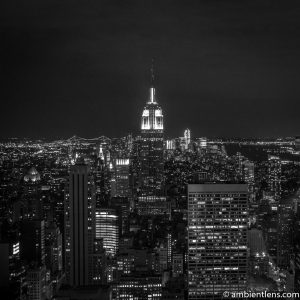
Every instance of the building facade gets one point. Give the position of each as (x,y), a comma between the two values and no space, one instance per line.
(107,229)
(274,176)
(79,226)
(120,186)
(217,239)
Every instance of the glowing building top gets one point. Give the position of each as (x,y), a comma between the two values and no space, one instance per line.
(32,176)
(152,118)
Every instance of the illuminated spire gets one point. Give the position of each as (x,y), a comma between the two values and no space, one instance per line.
(152,89)
(152,73)
(152,118)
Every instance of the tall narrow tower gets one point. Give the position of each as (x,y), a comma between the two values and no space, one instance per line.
(274,176)
(151,154)
(79,226)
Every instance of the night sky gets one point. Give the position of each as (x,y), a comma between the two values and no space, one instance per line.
(223,68)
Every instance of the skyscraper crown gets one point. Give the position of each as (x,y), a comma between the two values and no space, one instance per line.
(152,117)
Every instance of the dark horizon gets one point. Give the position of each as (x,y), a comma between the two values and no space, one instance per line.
(223,68)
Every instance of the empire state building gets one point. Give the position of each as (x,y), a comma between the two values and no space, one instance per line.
(151,150)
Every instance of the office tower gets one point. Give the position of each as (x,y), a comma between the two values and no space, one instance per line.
(138,285)
(170,144)
(79,226)
(32,195)
(248,177)
(187,138)
(12,273)
(122,207)
(268,218)
(177,264)
(169,247)
(285,233)
(217,239)
(151,146)
(36,279)
(181,144)
(99,262)
(53,246)
(162,252)
(202,142)
(39,286)
(153,206)
(126,262)
(119,169)
(32,241)
(102,180)
(274,176)
(107,229)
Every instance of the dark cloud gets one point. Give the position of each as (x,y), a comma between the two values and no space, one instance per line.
(224,68)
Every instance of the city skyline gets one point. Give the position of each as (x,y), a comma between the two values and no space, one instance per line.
(149,150)
(63,62)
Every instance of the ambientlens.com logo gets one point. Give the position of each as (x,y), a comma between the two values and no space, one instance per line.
(262,295)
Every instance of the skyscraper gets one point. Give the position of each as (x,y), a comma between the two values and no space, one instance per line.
(187,138)
(32,241)
(217,239)
(274,176)
(138,285)
(79,226)
(120,177)
(153,205)
(248,177)
(37,283)
(151,146)
(107,229)
(33,208)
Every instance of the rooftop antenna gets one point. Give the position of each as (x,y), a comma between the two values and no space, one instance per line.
(152,72)
(152,90)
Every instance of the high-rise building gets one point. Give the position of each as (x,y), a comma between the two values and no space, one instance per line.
(32,241)
(170,144)
(99,262)
(33,208)
(187,138)
(120,177)
(101,174)
(107,229)
(138,286)
(53,246)
(38,285)
(122,207)
(151,146)
(177,264)
(248,177)
(274,176)
(79,226)
(202,142)
(153,205)
(217,239)
(285,233)
(12,275)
